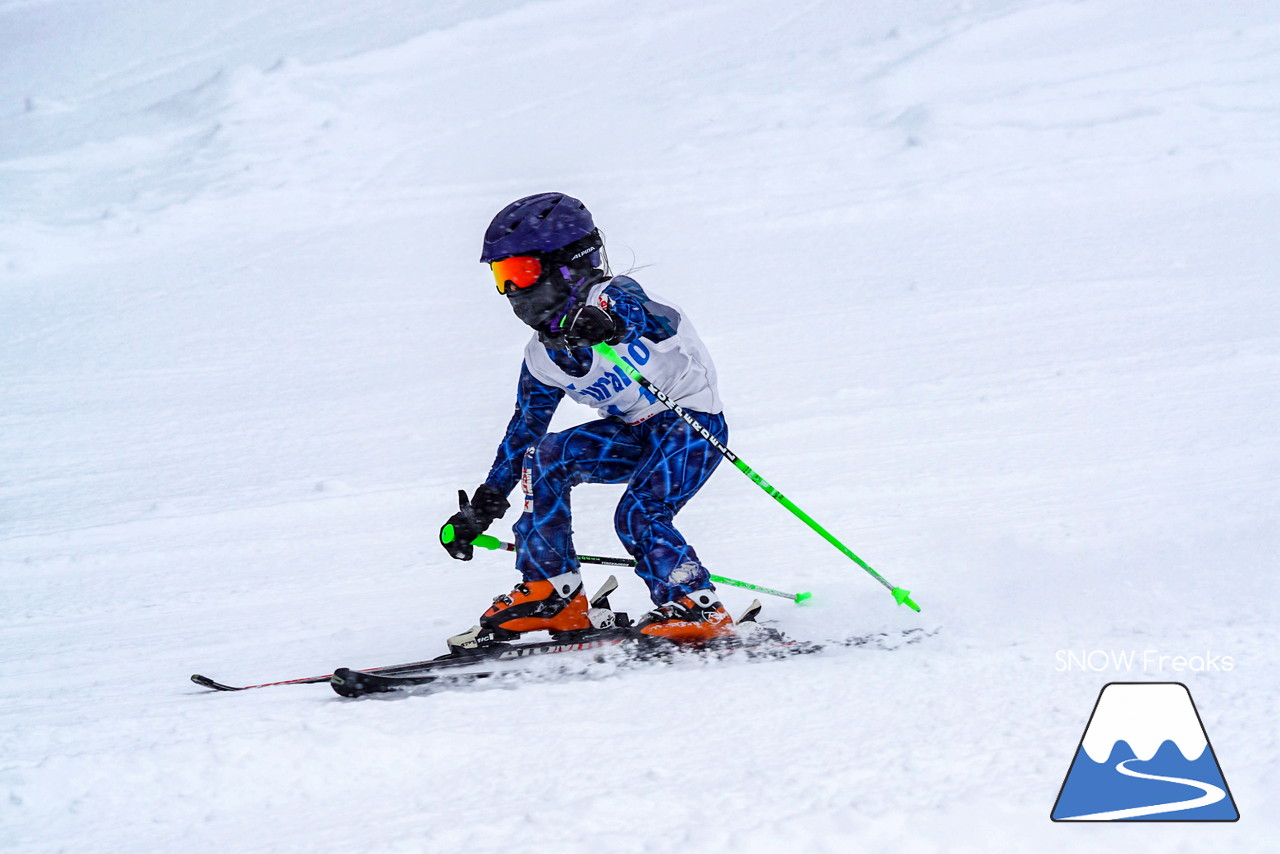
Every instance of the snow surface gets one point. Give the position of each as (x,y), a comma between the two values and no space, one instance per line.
(992,291)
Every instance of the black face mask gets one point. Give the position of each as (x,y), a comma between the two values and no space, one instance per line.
(539,305)
(567,275)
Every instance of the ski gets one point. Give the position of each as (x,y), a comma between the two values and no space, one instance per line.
(612,630)
(416,673)
(760,643)
(589,639)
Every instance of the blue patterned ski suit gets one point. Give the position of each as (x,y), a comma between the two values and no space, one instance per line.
(660,458)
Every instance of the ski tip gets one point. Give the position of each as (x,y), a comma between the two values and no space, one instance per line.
(346,682)
(803,597)
(206,682)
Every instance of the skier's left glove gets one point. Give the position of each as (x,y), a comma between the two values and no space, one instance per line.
(474,516)
(588,325)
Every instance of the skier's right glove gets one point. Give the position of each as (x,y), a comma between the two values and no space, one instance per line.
(471,520)
(588,325)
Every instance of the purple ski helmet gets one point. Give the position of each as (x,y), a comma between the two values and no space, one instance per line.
(536,224)
(545,252)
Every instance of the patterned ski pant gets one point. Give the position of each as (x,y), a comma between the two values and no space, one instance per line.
(662,461)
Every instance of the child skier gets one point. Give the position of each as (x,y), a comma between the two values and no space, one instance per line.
(548,260)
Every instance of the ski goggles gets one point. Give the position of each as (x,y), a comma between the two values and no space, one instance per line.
(521,271)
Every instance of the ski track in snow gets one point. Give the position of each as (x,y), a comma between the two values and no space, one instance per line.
(991,292)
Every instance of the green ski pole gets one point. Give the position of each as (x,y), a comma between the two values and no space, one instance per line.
(901,596)
(485,541)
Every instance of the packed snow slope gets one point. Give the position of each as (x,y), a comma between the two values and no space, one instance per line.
(992,291)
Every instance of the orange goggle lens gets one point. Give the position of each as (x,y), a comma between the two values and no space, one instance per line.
(520,271)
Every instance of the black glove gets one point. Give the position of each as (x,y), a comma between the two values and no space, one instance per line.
(471,520)
(587,325)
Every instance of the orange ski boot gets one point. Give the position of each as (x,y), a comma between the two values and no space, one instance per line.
(554,605)
(696,618)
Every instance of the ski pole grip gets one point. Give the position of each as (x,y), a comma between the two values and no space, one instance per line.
(484,541)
